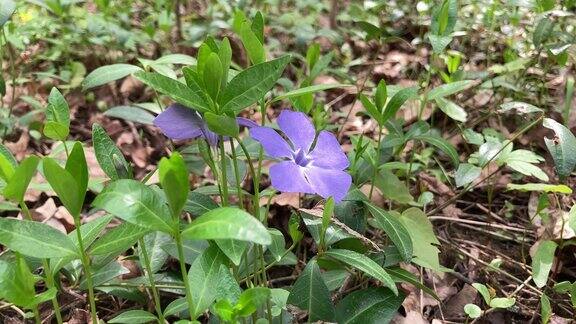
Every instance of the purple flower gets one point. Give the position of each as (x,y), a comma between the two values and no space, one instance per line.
(305,169)
(180,123)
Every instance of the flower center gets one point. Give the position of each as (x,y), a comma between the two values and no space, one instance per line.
(301,158)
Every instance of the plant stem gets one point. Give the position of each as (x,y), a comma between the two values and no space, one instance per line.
(47,271)
(255,179)
(224,178)
(179,246)
(13,76)
(150,276)
(87,272)
(37,318)
(377,161)
(237,174)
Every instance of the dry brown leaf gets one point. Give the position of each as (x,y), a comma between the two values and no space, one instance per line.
(454,307)
(412,317)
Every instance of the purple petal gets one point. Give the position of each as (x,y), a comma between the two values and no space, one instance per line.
(298,128)
(327,152)
(179,122)
(246,122)
(287,176)
(329,182)
(274,145)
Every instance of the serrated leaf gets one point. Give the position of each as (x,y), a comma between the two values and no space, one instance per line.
(364,264)
(108,73)
(311,294)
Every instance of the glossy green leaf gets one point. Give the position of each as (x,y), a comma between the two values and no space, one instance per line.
(483,290)
(391,187)
(134,317)
(136,203)
(442,145)
(251,299)
(452,110)
(77,167)
(278,245)
(308,90)
(310,293)
(131,114)
(105,274)
(109,156)
(155,243)
(203,279)
(371,305)
(545,309)
(397,100)
(7,8)
(364,264)
(395,230)
(448,89)
(542,262)
(252,44)
(197,204)
(222,124)
(228,223)
(175,182)
(65,186)
(57,125)
(179,92)
(472,310)
(401,275)
(118,239)
(233,249)
(35,239)
(108,73)
(252,84)
(213,80)
(562,148)
(20,179)
(502,302)
(381,95)
(424,240)
(17,282)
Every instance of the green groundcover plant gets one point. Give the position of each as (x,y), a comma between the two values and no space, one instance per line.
(219,233)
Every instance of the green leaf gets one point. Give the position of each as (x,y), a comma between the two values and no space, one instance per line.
(197,204)
(401,275)
(562,148)
(175,182)
(371,305)
(181,59)
(17,282)
(542,262)
(466,174)
(483,290)
(213,80)
(310,293)
(109,156)
(424,240)
(251,299)
(392,188)
(326,217)
(278,245)
(179,92)
(541,187)
(105,274)
(136,203)
(155,243)
(252,44)
(519,107)
(7,8)
(131,113)
(133,317)
(65,186)
(545,309)
(35,239)
(542,32)
(442,145)
(439,43)
(502,302)
(392,226)
(233,249)
(252,84)
(203,278)
(222,124)
(108,73)
(452,110)
(370,108)
(381,95)
(364,264)
(57,117)
(397,100)
(228,223)
(19,180)
(118,239)
(225,56)
(78,169)
(449,89)
(308,90)
(472,310)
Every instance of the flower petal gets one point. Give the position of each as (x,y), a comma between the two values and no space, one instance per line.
(179,122)
(287,176)
(329,182)
(327,152)
(246,122)
(298,128)
(274,145)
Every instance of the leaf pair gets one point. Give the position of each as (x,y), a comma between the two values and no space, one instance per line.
(382,111)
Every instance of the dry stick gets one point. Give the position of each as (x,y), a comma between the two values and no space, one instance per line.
(472,186)
(472,222)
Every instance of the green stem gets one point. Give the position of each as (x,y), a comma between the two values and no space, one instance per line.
(179,245)
(377,161)
(255,179)
(150,276)
(87,272)
(237,174)
(37,318)
(13,76)
(224,178)
(47,270)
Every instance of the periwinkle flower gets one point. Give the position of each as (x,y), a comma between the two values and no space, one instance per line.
(304,168)
(180,123)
